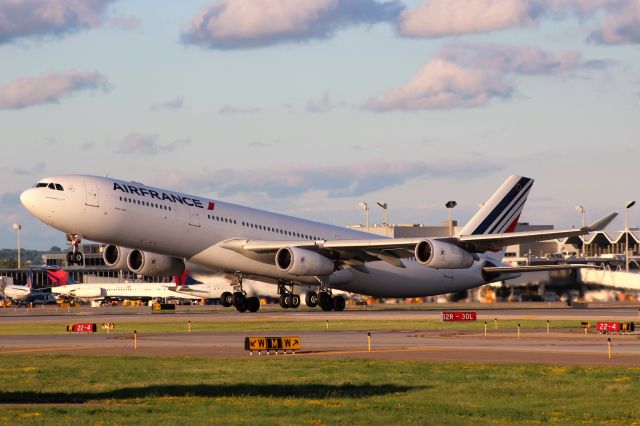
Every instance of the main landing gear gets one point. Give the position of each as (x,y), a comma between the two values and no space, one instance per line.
(74,257)
(287,298)
(324,299)
(328,303)
(312,299)
(239,298)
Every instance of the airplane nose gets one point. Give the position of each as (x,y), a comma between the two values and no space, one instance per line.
(26,198)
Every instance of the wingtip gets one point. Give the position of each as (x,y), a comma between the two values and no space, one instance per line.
(599,225)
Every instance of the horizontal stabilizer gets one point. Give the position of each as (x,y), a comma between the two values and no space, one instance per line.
(599,225)
(534,268)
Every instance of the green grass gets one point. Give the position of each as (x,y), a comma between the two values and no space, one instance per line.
(258,325)
(275,390)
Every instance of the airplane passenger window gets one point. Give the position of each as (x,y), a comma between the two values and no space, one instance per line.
(59,187)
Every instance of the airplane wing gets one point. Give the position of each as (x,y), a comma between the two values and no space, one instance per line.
(494,241)
(391,250)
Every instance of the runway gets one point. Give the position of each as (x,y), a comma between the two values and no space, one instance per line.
(555,311)
(563,347)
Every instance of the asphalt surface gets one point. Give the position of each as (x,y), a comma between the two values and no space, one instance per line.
(564,347)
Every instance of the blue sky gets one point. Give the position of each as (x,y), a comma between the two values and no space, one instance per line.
(308,107)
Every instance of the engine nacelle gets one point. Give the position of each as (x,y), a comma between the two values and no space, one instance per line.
(440,255)
(152,264)
(89,293)
(302,262)
(115,257)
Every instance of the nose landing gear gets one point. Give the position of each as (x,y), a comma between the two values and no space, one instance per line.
(74,257)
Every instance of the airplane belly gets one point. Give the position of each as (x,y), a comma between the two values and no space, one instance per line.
(219,258)
(415,280)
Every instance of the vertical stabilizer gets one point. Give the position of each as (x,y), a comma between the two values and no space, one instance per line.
(501,212)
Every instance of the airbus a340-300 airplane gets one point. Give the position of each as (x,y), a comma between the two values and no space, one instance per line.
(152,231)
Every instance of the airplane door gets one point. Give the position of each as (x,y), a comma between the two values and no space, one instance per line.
(91,189)
(194,216)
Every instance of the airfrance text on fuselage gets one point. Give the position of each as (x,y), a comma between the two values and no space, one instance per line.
(162,196)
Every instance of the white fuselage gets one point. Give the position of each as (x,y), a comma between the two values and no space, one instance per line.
(137,216)
(119,290)
(16,292)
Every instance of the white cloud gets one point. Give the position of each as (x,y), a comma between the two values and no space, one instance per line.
(471,75)
(29,18)
(147,144)
(233,24)
(233,110)
(323,104)
(175,103)
(621,26)
(292,180)
(440,84)
(439,18)
(512,59)
(126,23)
(49,87)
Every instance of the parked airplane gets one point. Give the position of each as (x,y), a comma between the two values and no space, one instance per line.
(216,286)
(16,293)
(152,231)
(101,291)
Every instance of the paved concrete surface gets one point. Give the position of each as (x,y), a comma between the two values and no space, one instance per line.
(569,347)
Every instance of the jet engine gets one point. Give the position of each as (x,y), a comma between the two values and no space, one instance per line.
(153,264)
(88,293)
(302,262)
(440,255)
(115,257)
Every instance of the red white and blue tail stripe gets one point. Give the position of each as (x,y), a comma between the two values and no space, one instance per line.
(501,212)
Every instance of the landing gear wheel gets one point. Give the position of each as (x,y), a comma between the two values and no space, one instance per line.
(338,303)
(239,299)
(293,300)
(311,299)
(253,304)
(243,305)
(283,301)
(77,258)
(70,258)
(325,301)
(226,299)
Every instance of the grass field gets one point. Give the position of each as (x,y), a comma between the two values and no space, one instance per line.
(277,390)
(259,325)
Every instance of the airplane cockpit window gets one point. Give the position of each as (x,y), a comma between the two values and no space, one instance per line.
(59,187)
(41,185)
(52,186)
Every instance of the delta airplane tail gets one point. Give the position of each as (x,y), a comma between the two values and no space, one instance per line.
(185,279)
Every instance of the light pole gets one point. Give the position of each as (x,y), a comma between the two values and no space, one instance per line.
(580,209)
(450,205)
(627,206)
(386,216)
(18,227)
(364,206)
